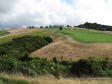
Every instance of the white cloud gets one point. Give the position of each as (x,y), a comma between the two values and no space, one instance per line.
(99,11)
(45,12)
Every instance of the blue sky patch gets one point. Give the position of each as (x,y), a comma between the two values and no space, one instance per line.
(69,1)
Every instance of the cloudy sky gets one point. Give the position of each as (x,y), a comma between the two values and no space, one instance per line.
(20,13)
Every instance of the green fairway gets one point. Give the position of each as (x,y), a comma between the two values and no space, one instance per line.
(87,36)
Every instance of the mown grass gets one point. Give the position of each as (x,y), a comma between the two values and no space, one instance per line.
(87,36)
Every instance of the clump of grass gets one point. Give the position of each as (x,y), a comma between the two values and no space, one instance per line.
(12,81)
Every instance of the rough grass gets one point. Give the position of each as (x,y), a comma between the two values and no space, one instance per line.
(66,48)
(49,79)
(21,32)
(25,31)
(3,33)
(52,80)
(87,36)
(12,81)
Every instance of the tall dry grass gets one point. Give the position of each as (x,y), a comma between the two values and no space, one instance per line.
(49,79)
(69,49)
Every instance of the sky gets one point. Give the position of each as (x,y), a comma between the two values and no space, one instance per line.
(22,13)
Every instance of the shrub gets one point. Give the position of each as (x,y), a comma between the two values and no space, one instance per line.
(81,68)
(8,64)
(48,39)
(97,67)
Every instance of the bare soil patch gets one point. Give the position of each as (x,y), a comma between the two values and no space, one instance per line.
(66,48)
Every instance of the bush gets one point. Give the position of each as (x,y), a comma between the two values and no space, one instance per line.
(15,53)
(81,68)
(8,64)
(25,44)
(97,67)
(60,28)
(48,39)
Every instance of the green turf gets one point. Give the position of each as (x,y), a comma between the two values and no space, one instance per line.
(88,36)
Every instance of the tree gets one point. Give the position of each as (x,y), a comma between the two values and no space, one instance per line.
(46,27)
(96,26)
(60,28)
(41,26)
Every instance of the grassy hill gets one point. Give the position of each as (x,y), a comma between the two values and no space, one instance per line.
(68,44)
(80,35)
(77,44)
(14,33)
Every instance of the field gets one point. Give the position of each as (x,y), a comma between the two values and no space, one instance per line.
(20,32)
(88,36)
(14,33)
(68,45)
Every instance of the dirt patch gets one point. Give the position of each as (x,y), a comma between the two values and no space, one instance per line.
(66,48)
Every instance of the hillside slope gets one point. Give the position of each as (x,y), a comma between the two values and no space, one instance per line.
(66,48)
(19,31)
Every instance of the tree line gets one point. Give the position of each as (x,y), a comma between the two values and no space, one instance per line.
(96,26)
